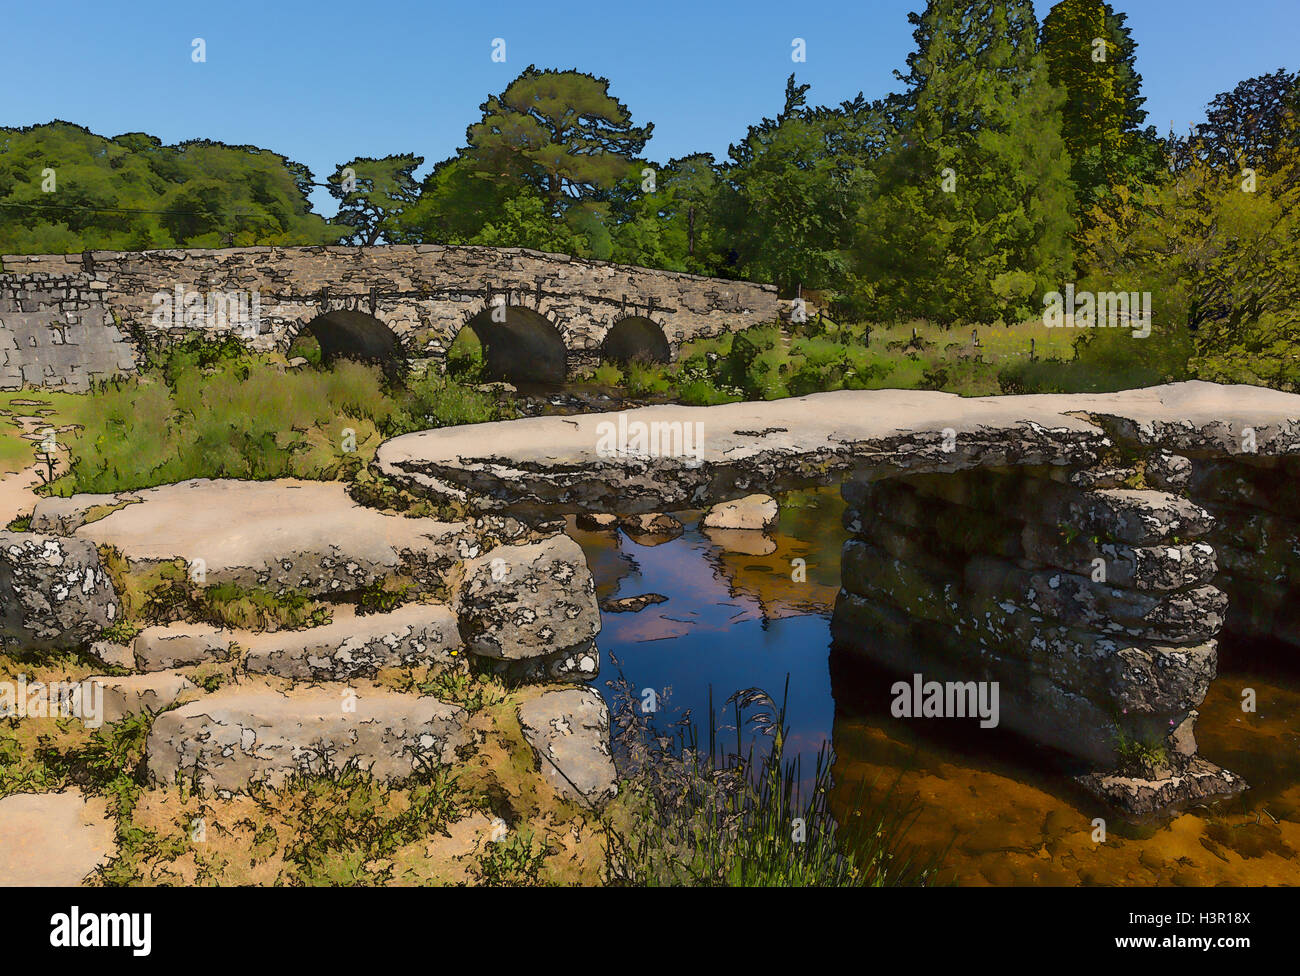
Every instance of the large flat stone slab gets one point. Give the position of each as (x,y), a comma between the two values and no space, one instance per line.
(305,534)
(590,463)
(245,734)
(52,839)
(418,633)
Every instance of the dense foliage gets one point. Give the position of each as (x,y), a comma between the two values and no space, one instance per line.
(1015,160)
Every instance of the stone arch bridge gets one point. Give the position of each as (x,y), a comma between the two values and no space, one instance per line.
(67,319)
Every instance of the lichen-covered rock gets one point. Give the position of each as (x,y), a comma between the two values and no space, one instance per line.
(415,634)
(54,592)
(579,663)
(538,600)
(179,645)
(657,524)
(1145,568)
(1135,516)
(1199,779)
(241,735)
(569,733)
(1168,472)
(757,512)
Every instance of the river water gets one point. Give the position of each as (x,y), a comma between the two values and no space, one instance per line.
(740,614)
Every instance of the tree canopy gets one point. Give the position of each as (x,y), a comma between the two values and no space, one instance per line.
(65,189)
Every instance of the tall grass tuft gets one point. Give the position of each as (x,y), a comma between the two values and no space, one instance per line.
(727,819)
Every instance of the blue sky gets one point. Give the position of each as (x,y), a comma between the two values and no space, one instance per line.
(323,82)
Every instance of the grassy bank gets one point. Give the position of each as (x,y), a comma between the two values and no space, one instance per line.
(770,362)
(212,409)
(204,409)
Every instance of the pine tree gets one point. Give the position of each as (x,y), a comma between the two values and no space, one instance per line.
(973,222)
(1091,58)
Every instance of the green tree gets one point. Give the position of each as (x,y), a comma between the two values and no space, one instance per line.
(794,185)
(523,221)
(454,203)
(1220,260)
(1246,127)
(373,195)
(675,224)
(973,219)
(65,189)
(1091,58)
(559,132)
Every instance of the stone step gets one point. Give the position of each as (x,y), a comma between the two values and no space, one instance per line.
(414,634)
(242,735)
(271,534)
(116,698)
(179,645)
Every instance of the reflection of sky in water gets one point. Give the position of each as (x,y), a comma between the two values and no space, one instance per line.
(706,635)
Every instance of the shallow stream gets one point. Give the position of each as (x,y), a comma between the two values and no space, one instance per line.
(1002,809)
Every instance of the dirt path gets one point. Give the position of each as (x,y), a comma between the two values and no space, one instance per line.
(16,494)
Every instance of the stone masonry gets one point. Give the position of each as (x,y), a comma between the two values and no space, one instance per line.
(56,331)
(421,294)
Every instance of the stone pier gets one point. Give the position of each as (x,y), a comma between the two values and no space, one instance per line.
(1091,606)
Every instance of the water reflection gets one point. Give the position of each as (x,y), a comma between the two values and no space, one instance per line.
(739,614)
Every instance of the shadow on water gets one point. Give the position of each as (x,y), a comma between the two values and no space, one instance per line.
(740,615)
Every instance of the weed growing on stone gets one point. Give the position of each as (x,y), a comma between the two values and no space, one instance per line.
(345,826)
(1137,757)
(381,596)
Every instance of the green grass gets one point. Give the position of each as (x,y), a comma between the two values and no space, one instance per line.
(768,363)
(513,861)
(205,409)
(56,407)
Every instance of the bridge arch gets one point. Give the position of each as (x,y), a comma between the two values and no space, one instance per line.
(349,334)
(519,345)
(635,338)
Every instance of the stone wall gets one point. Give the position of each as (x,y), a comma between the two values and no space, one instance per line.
(56,331)
(423,293)
(1092,606)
